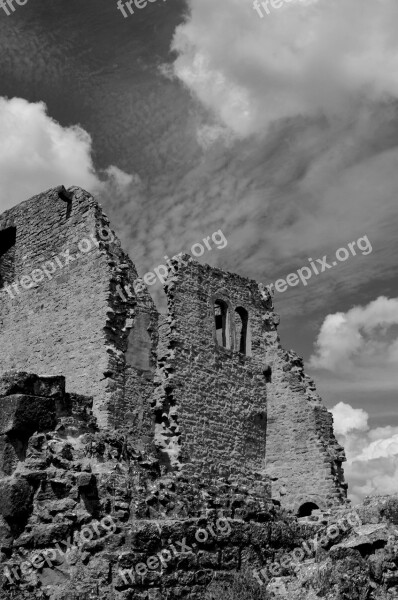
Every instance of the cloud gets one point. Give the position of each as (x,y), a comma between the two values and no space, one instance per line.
(380,448)
(375,477)
(348,419)
(309,163)
(372,454)
(307,58)
(360,345)
(359,350)
(38,153)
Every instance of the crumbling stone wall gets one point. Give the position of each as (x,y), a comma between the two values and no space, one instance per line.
(164,426)
(75,323)
(303,457)
(211,400)
(71,476)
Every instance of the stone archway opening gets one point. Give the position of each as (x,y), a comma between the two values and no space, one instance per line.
(306,509)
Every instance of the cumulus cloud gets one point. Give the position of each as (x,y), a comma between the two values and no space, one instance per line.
(361,344)
(37,153)
(380,448)
(348,419)
(305,58)
(358,348)
(372,454)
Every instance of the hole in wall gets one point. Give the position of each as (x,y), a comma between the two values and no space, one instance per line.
(306,509)
(8,238)
(222,324)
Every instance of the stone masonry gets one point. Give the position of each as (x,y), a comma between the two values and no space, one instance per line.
(161,421)
(212,398)
(303,457)
(74,323)
(205,408)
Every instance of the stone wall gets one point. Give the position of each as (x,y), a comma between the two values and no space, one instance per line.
(85,515)
(211,400)
(303,457)
(71,478)
(207,411)
(164,426)
(72,321)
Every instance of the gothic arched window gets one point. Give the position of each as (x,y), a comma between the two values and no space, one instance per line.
(242,330)
(223,329)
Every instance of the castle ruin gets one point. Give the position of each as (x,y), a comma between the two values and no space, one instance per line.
(206,391)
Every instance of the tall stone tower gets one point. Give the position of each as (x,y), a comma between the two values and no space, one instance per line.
(60,313)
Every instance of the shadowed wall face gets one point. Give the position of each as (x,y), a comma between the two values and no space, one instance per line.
(303,457)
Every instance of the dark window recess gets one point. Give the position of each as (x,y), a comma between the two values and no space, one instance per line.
(221,318)
(267,371)
(306,509)
(7,255)
(241,325)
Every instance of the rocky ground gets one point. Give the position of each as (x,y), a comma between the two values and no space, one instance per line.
(84,515)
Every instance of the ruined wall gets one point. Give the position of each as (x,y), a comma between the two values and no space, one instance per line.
(227,410)
(211,400)
(79,507)
(72,321)
(303,456)
(78,521)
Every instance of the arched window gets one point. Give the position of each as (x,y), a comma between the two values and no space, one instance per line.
(242,330)
(221,317)
(306,509)
(7,255)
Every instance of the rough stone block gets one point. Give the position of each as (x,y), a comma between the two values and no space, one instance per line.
(19,382)
(25,414)
(15,497)
(84,479)
(6,538)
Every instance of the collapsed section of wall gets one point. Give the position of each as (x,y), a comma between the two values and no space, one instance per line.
(60,310)
(210,400)
(303,457)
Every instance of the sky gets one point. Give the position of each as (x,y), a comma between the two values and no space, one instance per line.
(281,130)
